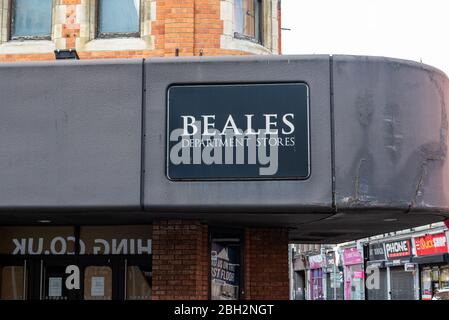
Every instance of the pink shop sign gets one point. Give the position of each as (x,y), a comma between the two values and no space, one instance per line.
(352,256)
(316,262)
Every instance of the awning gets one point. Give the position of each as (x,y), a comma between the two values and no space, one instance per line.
(434,258)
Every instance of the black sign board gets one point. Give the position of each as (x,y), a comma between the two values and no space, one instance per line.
(376,252)
(241,131)
(395,250)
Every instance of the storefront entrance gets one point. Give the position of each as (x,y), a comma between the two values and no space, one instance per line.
(75,278)
(95,263)
(433,278)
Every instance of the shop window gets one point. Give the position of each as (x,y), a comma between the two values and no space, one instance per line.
(118,18)
(444,278)
(98,283)
(12,283)
(138,282)
(31,19)
(225,266)
(248,17)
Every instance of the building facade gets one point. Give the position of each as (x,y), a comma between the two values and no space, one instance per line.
(410,264)
(158,258)
(113,188)
(33,29)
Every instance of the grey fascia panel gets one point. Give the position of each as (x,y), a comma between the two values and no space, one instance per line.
(312,195)
(70,134)
(391,131)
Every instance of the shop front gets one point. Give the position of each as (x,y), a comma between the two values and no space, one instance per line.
(76,263)
(402,278)
(354,274)
(378,288)
(299,277)
(316,287)
(433,259)
(334,277)
(225,265)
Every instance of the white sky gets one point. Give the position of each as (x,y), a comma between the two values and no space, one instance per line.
(408,29)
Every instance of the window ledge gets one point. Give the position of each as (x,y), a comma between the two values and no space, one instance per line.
(234,43)
(241,36)
(116,44)
(27,46)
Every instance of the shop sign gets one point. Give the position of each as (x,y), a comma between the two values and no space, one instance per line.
(376,252)
(232,132)
(316,261)
(352,256)
(409,267)
(134,240)
(431,244)
(330,259)
(398,249)
(225,272)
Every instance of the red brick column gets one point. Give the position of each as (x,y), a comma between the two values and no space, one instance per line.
(266,264)
(180,260)
(208,27)
(71,29)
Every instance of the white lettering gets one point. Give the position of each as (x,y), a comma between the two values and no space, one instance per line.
(188,124)
(73,279)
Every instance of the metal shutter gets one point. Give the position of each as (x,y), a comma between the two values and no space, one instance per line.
(382,292)
(402,284)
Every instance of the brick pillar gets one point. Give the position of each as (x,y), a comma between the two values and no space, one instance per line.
(180,260)
(71,29)
(266,264)
(178,26)
(208,27)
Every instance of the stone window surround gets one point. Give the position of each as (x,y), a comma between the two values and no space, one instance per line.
(230,41)
(23,46)
(86,16)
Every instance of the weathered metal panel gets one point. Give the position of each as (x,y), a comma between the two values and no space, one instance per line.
(391,131)
(70,135)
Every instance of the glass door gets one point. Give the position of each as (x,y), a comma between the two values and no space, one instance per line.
(54,278)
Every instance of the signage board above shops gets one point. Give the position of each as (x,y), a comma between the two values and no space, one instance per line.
(316,261)
(93,240)
(431,244)
(233,132)
(330,259)
(376,252)
(410,267)
(352,256)
(398,249)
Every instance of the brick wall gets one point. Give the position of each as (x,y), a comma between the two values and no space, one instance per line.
(266,264)
(194,27)
(180,260)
